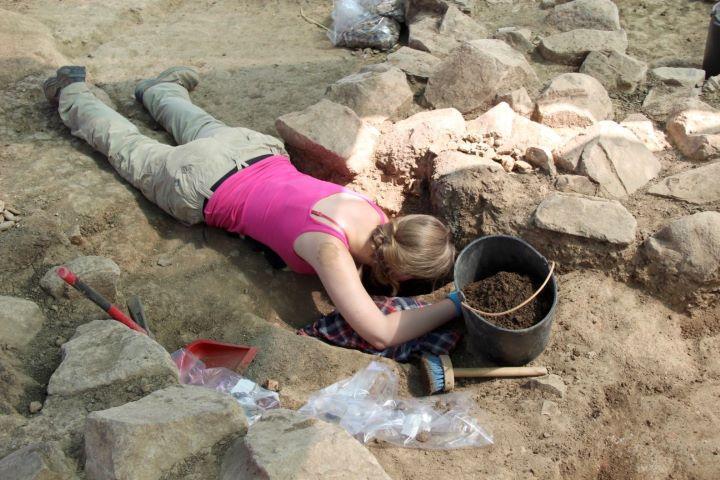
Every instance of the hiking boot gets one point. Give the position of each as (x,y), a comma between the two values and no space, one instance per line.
(63,77)
(186,77)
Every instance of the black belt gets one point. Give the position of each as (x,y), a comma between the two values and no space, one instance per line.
(232,172)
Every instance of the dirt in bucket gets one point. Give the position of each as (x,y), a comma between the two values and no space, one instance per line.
(503,291)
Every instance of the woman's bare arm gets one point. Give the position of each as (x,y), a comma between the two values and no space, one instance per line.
(337,271)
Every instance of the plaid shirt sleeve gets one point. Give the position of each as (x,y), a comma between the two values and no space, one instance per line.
(333,329)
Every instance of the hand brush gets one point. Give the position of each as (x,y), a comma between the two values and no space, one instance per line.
(440,375)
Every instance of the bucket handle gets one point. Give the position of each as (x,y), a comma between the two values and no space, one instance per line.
(530,299)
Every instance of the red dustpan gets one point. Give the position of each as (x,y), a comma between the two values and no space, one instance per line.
(218,354)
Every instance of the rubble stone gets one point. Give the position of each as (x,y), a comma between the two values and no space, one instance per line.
(460,26)
(591,14)
(550,408)
(571,48)
(414,62)
(20,321)
(615,71)
(646,132)
(332,135)
(99,272)
(310,449)
(588,217)
(424,34)
(687,248)
(663,100)
(373,95)
(512,130)
(450,161)
(402,150)
(176,423)
(551,384)
(684,77)
(573,100)
(696,133)
(576,184)
(39,461)
(611,156)
(518,38)
(455,83)
(698,185)
(519,101)
(542,158)
(104,354)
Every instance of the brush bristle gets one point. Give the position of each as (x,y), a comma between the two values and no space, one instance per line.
(434,373)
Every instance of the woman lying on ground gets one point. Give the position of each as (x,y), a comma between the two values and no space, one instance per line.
(242,181)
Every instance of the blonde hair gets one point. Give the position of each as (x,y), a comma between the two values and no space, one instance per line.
(419,246)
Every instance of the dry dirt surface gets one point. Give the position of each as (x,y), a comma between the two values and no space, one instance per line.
(642,375)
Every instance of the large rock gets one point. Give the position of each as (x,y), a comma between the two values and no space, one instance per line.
(414,62)
(108,359)
(373,95)
(101,273)
(287,445)
(144,439)
(573,100)
(591,14)
(589,217)
(611,156)
(687,249)
(517,37)
(456,82)
(20,321)
(39,461)
(513,131)
(616,71)
(684,77)
(696,132)
(644,129)
(332,135)
(697,185)
(424,34)
(571,48)
(519,100)
(663,100)
(402,151)
(456,24)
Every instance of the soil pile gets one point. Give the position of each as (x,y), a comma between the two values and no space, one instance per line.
(503,291)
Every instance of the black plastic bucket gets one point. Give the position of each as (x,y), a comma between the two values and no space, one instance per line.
(711,60)
(485,257)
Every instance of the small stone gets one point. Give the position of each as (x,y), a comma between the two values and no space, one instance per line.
(588,217)
(164,261)
(698,185)
(59,341)
(712,84)
(35,407)
(518,38)
(546,435)
(542,158)
(614,70)
(39,461)
(449,162)
(2,206)
(576,184)
(507,162)
(684,77)
(9,216)
(550,408)
(271,384)
(551,384)
(696,133)
(547,4)
(523,167)
(590,14)
(20,321)
(11,209)
(571,48)
(6,225)
(573,100)
(519,101)
(101,273)
(75,235)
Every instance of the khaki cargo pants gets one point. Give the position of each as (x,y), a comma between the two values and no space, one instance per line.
(176,178)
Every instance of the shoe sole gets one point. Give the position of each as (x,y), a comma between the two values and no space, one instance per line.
(166,77)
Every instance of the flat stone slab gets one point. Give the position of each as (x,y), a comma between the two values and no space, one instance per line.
(685,77)
(591,14)
(414,62)
(663,100)
(688,249)
(20,321)
(571,48)
(517,37)
(615,70)
(588,217)
(287,445)
(141,440)
(332,135)
(450,161)
(100,273)
(573,100)
(698,185)
(39,461)
(105,354)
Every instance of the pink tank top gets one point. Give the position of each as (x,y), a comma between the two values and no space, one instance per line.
(271,202)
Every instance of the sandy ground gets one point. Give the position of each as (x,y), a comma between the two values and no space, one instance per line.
(643,388)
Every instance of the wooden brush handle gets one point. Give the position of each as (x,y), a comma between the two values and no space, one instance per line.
(495,372)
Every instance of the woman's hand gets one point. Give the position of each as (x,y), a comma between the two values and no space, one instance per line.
(338,273)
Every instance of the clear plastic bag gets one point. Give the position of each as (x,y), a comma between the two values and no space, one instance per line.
(253,399)
(357,24)
(366,405)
